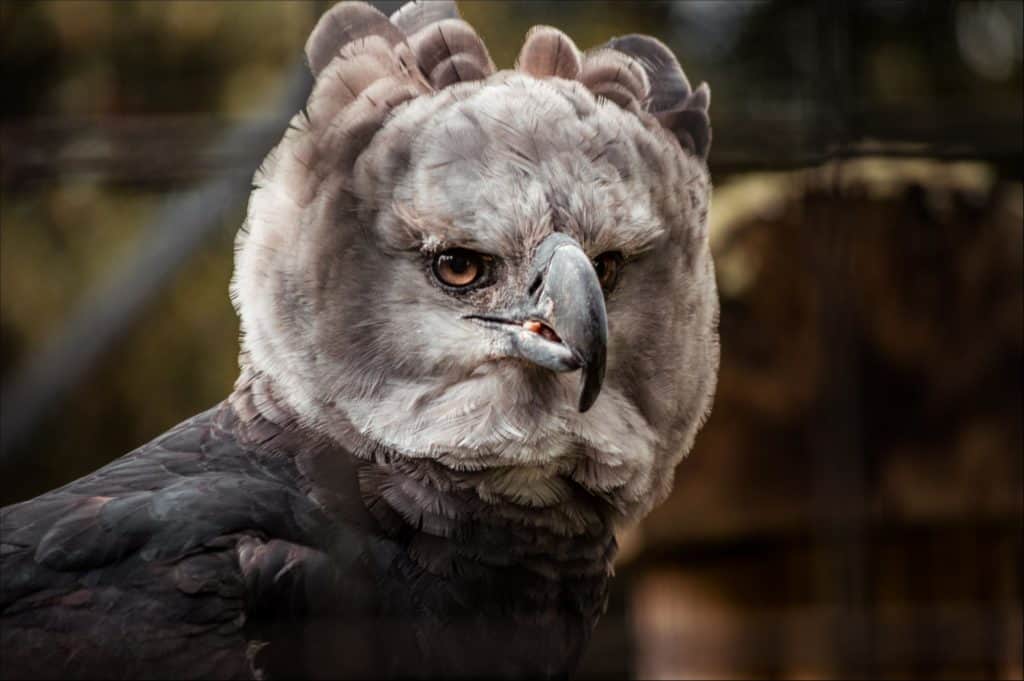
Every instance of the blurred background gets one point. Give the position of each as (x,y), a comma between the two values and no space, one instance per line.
(853,507)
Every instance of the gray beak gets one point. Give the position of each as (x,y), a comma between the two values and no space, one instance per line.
(563,325)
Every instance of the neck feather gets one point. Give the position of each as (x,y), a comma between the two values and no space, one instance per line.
(449,520)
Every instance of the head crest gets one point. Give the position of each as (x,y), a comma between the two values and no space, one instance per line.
(366,63)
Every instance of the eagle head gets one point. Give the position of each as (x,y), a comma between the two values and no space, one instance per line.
(488,268)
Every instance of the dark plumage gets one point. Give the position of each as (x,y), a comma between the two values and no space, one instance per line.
(415,475)
(233,547)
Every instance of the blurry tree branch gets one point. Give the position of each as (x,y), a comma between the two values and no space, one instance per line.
(178,229)
(134,150)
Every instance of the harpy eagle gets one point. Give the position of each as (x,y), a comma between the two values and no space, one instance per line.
(479,325)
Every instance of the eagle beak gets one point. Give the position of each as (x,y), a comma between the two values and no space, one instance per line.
(563,326)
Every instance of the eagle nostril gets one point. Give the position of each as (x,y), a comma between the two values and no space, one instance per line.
(535,286)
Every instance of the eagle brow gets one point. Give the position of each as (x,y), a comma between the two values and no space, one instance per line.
(430,234)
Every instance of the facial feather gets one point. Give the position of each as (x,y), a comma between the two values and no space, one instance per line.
(402,157)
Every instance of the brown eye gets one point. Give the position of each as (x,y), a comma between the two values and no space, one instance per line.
(608,265)
(458,267)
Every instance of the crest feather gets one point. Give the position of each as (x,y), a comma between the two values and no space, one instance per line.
(413,16)
(549,53)
(616,76)
(342,24)
(673,102)
(366,63)
(453,50)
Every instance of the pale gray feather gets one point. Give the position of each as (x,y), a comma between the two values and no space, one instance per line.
(415,145)
(415,15)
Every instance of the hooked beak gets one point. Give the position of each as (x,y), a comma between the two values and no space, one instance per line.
(563,325)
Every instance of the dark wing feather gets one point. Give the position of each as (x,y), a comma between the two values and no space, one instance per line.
(166,562)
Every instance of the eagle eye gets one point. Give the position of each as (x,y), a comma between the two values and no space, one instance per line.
(459,267)
(608,266)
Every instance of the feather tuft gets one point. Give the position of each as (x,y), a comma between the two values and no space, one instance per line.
(669,86)
(604,66)
(450,51)
(345,23)
(549,53)
(413,16)
(680,109)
